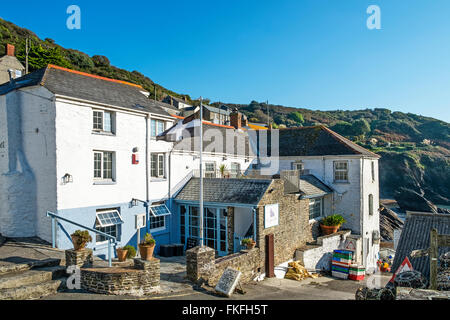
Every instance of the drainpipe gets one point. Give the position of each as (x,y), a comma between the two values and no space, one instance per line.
(361,220)
(254,223)
(147,171)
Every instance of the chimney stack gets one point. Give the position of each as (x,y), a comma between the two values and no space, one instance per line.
(236,119)
(10,50)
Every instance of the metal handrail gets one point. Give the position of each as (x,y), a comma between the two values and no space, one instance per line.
(56,217)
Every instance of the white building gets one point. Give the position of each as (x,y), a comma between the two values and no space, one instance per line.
(86,149)
(347,168)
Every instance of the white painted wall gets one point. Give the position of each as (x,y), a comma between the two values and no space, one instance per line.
(29,188)
(75,146)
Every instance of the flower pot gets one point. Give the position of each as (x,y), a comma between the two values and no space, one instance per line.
(326,230)
(77,245)
(251,245)
(146,251)
(122,254)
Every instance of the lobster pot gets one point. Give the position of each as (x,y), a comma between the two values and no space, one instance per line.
(340,263)
(356,272)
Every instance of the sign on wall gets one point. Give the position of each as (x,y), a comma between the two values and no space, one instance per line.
(270,215)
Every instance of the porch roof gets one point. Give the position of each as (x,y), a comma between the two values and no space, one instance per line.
(311,186)
(226,191)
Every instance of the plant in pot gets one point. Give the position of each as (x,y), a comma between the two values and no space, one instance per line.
(146,247)
(122,254)
(331,224)
(249,242)
(131,251)
(80,239)
(223,171)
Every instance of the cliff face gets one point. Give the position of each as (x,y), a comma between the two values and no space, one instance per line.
(427,174)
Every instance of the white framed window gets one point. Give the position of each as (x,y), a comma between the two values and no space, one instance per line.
(298,166)
(315,208)
(104,165)
(108,221)
(210,169)
(157,127)
(158,215)
(102,121)
(235,169)
(157,163)
(340,171)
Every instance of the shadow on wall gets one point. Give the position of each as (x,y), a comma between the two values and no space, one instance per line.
(19,213)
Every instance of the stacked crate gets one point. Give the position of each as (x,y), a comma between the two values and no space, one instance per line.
(356,272)
(340,265)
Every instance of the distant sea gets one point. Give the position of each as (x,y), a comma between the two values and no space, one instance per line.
(443,206)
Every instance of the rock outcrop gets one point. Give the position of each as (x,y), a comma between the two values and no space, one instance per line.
(389,221)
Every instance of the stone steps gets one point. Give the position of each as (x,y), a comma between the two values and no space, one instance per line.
(32,280)
(27,265)
(33,291)
(13,280)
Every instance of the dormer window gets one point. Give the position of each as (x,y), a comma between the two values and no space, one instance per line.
(102,121)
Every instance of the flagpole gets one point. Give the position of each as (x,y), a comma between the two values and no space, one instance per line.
(201,172)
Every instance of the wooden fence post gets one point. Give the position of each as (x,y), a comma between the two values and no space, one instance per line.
(434,253)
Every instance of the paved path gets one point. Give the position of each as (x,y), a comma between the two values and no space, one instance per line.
(323,288)
(24,250)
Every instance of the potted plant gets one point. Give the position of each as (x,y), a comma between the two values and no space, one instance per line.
(223,170)
(131,251)
(122,254)
(249,242)
(147,246)
(331,224)
(80,239)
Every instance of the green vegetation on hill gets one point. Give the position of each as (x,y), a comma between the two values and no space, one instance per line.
(43,52)
(415,150)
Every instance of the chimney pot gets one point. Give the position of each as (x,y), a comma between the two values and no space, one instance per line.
(10,50)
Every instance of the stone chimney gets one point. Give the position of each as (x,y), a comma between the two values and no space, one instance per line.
(244,121)
(10,50)
(185,98)
(171,101)
(236,119)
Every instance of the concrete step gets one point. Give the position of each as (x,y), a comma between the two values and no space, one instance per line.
(6,268)
(33,276)
(33,291)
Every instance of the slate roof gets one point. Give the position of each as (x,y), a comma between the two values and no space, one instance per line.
(239,140)
(316,141)
(81,85)
(311,186)
(226,191)
(416,236)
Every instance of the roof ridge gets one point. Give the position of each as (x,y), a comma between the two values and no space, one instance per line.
(52,66)
(344,141)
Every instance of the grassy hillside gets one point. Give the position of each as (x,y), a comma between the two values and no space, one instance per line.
(43,52)
(415,150)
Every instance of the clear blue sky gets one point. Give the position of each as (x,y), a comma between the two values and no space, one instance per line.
(303,53)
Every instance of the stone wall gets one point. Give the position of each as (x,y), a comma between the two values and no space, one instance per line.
(79,258)
(141,280)
(318,256)
(293,229)
(201,265)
